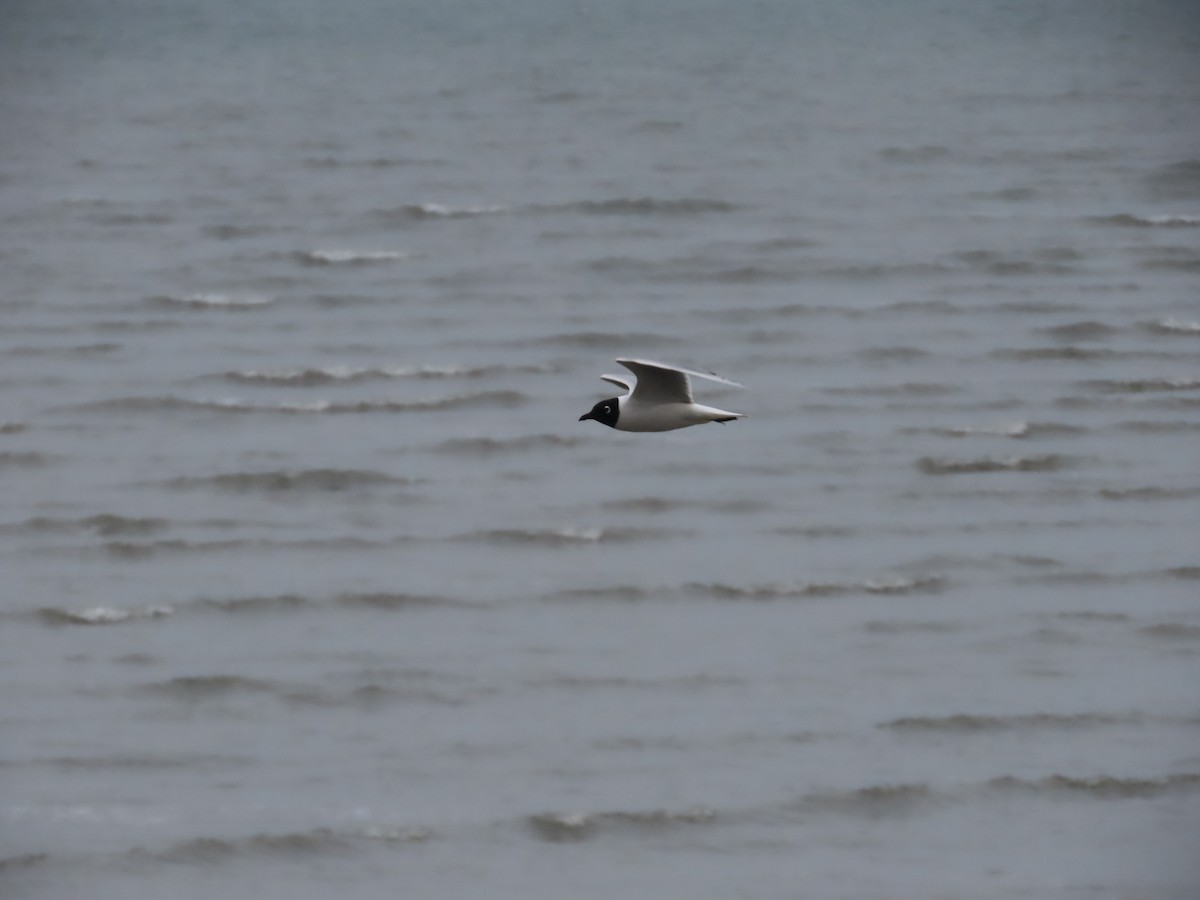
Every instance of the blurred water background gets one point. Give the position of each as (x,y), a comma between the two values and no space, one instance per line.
(313,585)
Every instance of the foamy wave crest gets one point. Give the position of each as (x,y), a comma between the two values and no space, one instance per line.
(100,615)
(578,826)
(211,301)
(349,257)
(886,585)
(1152,221)
(1101,787)
(441,211)
(1048,462)
(320,375)
(969,724)
(566,537)
(290,480)
(1175,327)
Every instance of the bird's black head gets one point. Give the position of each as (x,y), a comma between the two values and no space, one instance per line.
(605,412)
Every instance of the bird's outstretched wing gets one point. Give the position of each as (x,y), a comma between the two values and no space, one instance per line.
(660,383)
(619,382)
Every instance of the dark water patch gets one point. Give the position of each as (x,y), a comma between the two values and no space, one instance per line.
(287,480)
(816,532)
(104,524)
(975,724)
(13,427)
(1048,261)
(396,600)
(1089,616)
(1175,181)
(1189,573)
(1150,426)
(874,801)
(265,604)
(921,154)
(228,302)
(140,762)
(1149,494)
(610,340)
(1068,353)
(1141,385)
(300,845)
(1172,259)
(571,827)
(29,459)
(488,446)
(100,615)
(653,505)
(25,861)
(68,352)
(1016,430)
(909,626)
(891,354)
(194,688)
(132,551)
(1103,787)
(644,206)
(1131,220)
(1047,462)
(1016,194)
(226,231)
(1172,631)
(1081,331)
(373,162)
(691,269)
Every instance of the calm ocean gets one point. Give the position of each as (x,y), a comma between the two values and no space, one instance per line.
(312,585)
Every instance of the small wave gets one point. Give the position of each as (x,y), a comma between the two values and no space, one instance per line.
(1159,426)
(647,206)
(1173,631)
(1171,326)
(876,800)
(203,687)
(321,375)
(891,585)
(1048,462)
(605,339)
(1070,353)
(1101,787)
(1148,494)
(210,301)
(486,446)
(1151,221)
(25,459)
(921,154)
(394,600)
(22,862)
(105,524)
(1081,331)
(1175,181)
(100,615)
(965,723)
(564,827)
(172,403)
(12,427)
(131,550)
(261,604)
(349,257)
(906,626)
(300,844)
(905,389)
(567,537)
(288,480)
(419,211)
(1142,385)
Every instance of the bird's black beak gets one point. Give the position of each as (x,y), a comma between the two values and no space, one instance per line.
(586,415)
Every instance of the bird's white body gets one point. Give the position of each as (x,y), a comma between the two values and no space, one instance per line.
(661,401)
(636,416)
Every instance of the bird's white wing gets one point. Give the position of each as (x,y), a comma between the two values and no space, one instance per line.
(619,382)
(659,383)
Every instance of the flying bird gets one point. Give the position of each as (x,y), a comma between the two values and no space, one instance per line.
(661,401)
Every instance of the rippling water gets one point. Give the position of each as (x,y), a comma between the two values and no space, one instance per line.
(313,582)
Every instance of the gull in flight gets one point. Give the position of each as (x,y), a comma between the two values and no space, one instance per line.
(661,401)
